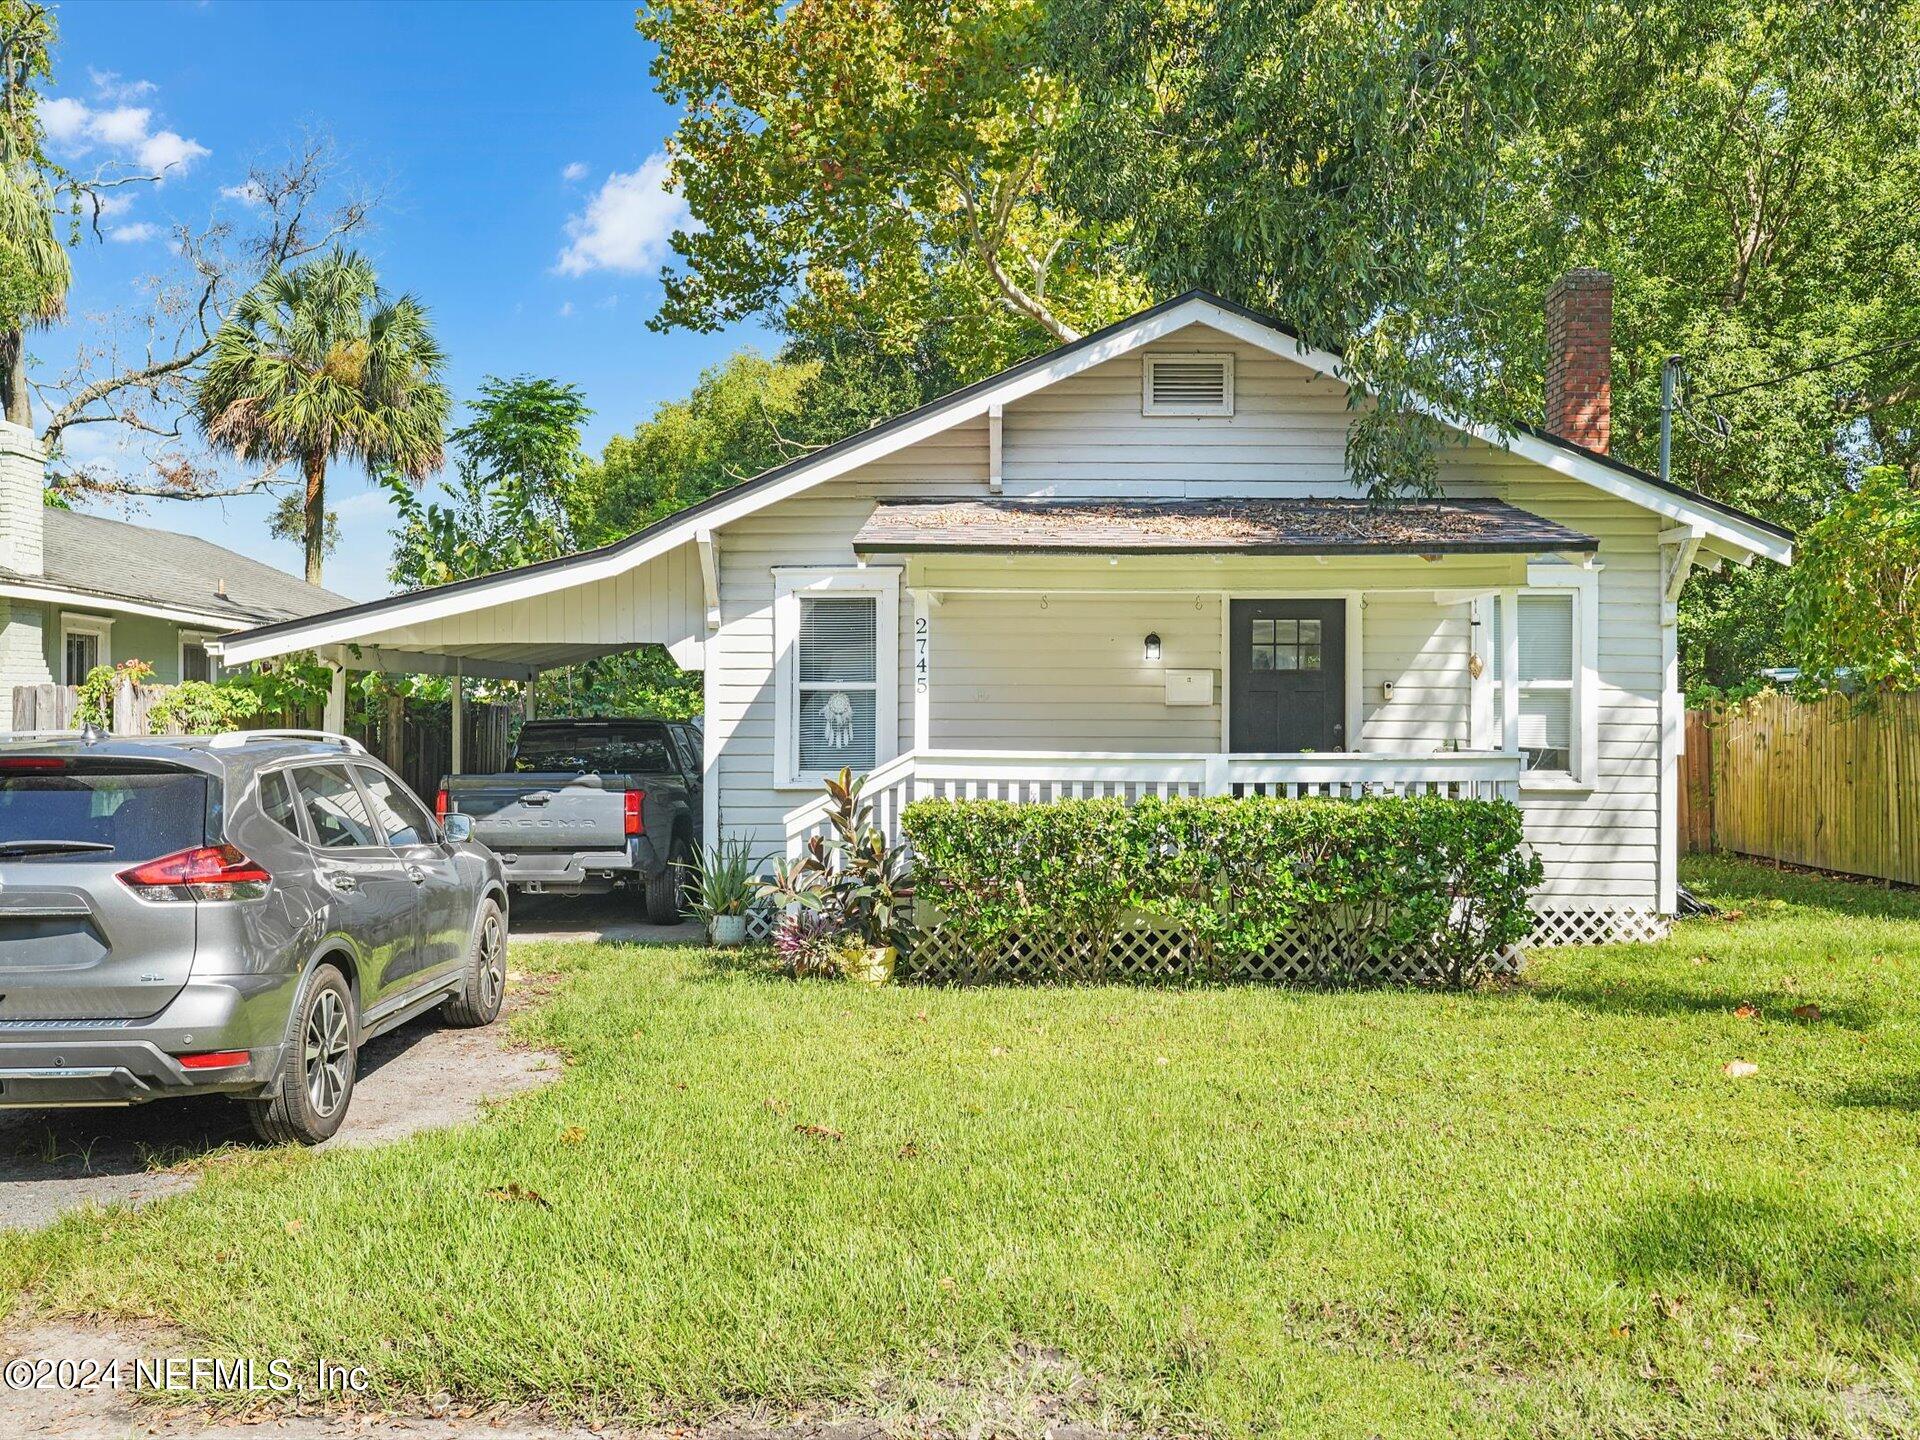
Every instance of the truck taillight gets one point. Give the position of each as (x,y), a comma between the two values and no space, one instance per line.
(635,826)
(440,805)
(207,872)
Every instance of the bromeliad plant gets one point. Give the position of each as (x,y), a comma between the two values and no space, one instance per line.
(849,882)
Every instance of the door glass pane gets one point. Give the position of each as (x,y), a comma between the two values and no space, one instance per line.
(1546,637)
(836,729)
(400,818)
(1263,632)
(334,808)
(837,639)
(276,799)
(1263,657)
(1286,657)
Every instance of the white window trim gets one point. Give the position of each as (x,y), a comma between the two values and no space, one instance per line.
(194,637)
(1153,357)
(98,626)
(1548,578)
(789,585)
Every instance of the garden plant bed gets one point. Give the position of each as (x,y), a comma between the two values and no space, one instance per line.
(1657,1189)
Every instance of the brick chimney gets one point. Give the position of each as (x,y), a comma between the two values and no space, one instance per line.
(22,509)
(1580,358)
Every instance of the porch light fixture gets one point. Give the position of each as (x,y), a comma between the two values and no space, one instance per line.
(1153,647)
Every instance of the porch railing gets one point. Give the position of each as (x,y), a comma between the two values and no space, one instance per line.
(1035,777)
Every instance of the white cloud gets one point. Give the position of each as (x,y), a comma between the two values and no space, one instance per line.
(76,126)
(566,309)
(124,125)
(576,171)
(64,120)
(134,233)
(247,192)
(164,150)
(626,224)
(108,85)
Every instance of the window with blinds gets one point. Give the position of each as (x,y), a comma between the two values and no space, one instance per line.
(1547,699)
(838,674)
(1187,385)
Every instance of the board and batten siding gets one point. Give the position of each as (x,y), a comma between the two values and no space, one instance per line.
(1008,674)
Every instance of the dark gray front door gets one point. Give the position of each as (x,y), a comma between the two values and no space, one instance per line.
(1289,675)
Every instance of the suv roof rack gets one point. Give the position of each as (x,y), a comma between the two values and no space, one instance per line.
(234,739)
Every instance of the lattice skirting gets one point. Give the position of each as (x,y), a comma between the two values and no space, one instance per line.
(1144,953)
(1624,924)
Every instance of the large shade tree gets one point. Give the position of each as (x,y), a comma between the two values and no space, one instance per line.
(318,363)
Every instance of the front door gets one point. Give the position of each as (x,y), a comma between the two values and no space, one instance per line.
(1289,676)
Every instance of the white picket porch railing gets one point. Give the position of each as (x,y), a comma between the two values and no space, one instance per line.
(1035,777)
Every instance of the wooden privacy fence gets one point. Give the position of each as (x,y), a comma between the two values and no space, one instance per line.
(1831,785)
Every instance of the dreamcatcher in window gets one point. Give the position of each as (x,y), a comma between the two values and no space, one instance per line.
(838,718)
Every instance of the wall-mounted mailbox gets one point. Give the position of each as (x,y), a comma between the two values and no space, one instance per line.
(1189,687)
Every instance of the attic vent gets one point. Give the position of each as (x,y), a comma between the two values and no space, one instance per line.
(1187,385)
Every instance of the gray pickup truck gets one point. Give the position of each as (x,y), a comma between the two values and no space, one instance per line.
(592,805)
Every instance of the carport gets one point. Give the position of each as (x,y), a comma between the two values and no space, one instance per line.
(656,587)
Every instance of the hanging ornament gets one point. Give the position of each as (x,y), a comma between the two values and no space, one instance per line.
(839,719)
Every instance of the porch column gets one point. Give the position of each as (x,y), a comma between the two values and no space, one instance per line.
(1510,671)
(457,744)
(334,719)
(529,701)
(923,603)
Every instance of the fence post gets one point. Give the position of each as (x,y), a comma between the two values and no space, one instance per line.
(123,709)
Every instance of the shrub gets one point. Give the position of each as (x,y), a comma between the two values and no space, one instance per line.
(852,879)
(195,707)
(1368,881)
(94,698)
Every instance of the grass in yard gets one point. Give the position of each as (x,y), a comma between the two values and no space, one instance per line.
(1543,1211)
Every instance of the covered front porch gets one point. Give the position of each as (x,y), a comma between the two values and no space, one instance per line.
(1060,649)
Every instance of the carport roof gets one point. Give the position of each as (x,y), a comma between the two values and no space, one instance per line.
(1241,526)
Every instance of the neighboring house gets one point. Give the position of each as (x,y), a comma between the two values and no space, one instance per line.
(1136,564)
(78,591)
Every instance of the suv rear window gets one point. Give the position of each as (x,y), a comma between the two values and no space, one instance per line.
(609,750)
(143,812)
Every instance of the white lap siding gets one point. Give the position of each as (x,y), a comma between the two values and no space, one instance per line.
(1010,674)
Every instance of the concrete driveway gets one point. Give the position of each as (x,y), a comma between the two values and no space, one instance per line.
(419,1077)
(618,918)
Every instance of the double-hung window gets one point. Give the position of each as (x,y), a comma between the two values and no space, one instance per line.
(1557,631)
(837,637)
(1547,682)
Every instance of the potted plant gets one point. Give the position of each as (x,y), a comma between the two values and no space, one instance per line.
(847,893)
(724,885)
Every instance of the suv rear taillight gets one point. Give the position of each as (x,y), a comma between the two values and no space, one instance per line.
(440,805)
(207,872)
(635,826)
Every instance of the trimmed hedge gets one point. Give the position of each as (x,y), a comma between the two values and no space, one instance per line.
(1376,883)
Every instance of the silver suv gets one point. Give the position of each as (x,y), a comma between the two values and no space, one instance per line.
(229,915)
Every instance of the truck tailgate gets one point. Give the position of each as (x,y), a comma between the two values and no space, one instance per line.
(543,812)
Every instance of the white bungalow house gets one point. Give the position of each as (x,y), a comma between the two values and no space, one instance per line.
(78,590)
(1136,564)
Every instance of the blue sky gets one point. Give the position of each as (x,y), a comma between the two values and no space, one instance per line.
(510,145)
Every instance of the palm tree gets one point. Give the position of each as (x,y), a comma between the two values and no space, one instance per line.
(34,269)
(317,363)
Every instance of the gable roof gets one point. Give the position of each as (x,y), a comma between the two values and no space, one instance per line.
(1741,533)
(116,562)
(1306,526)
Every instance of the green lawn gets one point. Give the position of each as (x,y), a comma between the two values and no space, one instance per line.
(1541,1211)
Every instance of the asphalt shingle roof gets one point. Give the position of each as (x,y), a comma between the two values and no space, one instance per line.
(117,560)
(1275,527)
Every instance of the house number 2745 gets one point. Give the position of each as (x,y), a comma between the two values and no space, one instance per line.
(922,670)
